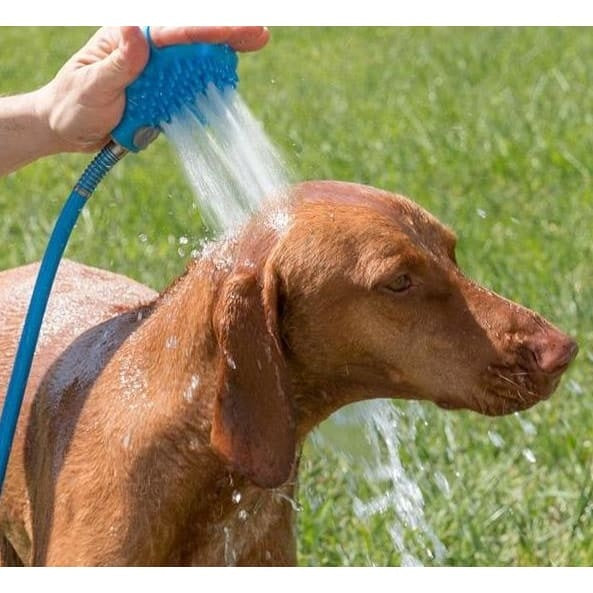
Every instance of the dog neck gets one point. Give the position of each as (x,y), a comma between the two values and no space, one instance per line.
(175,350)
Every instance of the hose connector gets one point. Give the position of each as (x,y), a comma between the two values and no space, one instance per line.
(111,153)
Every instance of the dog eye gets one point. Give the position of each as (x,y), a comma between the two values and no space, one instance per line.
(400,284)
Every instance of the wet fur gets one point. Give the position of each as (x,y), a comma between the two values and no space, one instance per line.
(166,430)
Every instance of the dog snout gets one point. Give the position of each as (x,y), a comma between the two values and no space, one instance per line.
(552,351)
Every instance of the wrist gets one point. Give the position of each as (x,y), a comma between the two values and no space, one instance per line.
(48,141)
(25,134)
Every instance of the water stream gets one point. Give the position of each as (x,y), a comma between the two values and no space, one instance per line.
(233,167)
(230,163)
(392,489)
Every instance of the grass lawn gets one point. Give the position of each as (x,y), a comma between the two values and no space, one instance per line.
(489,129)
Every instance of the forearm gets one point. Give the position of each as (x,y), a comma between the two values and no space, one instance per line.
(25,134)
(76,111)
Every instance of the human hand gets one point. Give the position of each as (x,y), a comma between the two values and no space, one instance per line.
(86,99)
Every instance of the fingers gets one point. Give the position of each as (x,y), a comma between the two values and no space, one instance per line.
(134,50)
(249,38)
(239,38)
(125,62)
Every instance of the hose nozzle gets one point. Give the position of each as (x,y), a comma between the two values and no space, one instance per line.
(172,80)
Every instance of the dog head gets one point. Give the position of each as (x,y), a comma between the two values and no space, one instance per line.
(360,297)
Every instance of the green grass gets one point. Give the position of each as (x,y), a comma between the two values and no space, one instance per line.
(489,129)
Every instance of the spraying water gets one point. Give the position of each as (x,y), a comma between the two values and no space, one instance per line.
(391,490)
(233,167)
(230,163)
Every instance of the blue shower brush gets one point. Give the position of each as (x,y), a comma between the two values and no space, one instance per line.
(172,80)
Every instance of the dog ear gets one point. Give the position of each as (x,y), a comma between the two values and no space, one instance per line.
(253,426)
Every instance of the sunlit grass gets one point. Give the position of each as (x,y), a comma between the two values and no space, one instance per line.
(489,129)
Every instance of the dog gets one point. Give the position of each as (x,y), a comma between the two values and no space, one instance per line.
(166,430)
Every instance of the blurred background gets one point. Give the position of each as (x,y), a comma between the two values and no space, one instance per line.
(490,129)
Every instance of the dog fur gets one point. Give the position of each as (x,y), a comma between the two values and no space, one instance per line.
(166,430)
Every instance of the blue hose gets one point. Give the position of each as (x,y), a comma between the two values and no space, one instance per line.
(171,82)
(86,185)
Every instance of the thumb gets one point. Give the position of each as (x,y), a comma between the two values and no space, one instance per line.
(123,65)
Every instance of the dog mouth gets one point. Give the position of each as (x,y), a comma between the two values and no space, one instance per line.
(506,390)
(497,403)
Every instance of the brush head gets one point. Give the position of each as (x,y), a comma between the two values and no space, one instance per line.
(171,82)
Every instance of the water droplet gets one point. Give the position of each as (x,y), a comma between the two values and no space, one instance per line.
(142,237)
(279,220)
(236,496)
(496,439)
(409,560)
(183,240)
(190,390)
(243,514)
(293,503)
(171,342)
(481,213)
(230,556)
(126,441)
(442,483)
(529,455)
(528,427)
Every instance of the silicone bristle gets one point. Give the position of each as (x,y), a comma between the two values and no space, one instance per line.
(173,80)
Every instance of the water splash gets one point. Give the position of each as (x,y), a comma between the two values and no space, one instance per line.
(529,455)
(233,169)
(230,162)
(395,492)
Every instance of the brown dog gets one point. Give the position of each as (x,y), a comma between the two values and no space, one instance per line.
(162,430)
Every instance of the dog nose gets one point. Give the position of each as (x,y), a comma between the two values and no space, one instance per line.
(553,352)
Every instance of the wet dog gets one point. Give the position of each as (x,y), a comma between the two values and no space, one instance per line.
(148,418)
